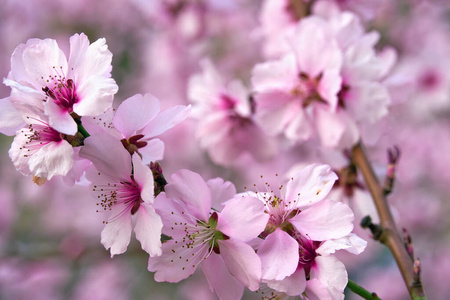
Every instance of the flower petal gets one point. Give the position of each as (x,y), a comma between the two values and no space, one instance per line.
(190,189)
(148,229)
(221,191)
(243,218)
(55,158)
(310,185)
(220,281)
(279,255)
(153,151)
(96,96)
(108,155)
(166,120)
(329,271)
(117,233)
(242,262)
(60,119)
(293,285)
(10,118)
(351,243)
(144,177)
(135,113)
(325,220)
(88,60)
(169,267)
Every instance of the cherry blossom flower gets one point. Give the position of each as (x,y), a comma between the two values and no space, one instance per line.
(291,93)
(64,89)
(41,151)
(203,236)
(328,83)
(136,123)
(225,123)
(123,185)
(302,231)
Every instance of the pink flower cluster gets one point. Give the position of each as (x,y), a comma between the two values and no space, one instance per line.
(285,240)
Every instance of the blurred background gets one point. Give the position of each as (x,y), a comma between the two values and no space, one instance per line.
(50,235)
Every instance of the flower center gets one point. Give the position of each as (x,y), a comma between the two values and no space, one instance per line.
(127,193)
(306,89)
(39,135)
(61,90)
(133,144)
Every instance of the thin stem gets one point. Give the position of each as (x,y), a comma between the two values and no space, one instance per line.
(359,290)
(389,235)
(82,130)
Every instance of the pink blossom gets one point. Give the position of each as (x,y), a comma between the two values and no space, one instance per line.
(79,86)
(200,235)
(136,123)
(292,91)
(225,123)
(124,186)
(41,151)
(329,83)
(301,222)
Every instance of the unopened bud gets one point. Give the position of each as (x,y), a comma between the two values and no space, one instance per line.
(407,241)
(417,270)
(158,177)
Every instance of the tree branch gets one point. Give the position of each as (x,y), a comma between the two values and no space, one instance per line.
(389,234)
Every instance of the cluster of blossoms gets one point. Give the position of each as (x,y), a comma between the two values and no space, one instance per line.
(62,111)
(321,80)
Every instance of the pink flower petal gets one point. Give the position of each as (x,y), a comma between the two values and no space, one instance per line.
(332,274)
(10,118)
(170,213)
(169,267)
(144,177)
(135,113)
(311,185)
(189,188)
(335,128)
(60,119)
(329,86)
(315,48)
(240,213)
(316,290)
(55,158)
(40,59)
(220,281)
(325,220)
(275,75)
(242,262)
(275,110)
(279,255)
(221,191)
(293,285)
(108,155)
(96,96)
(148,229)
(17,152)
(299,127)
(351,243)
(117,233)
(89,60)
(166,120)
(153,151)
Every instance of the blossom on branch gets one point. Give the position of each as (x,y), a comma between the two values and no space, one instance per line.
(63,88)
(123,185)
(202,236)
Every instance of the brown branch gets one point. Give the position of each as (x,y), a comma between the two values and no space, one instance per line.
(389,234)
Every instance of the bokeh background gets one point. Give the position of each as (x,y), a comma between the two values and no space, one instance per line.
(50,235)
